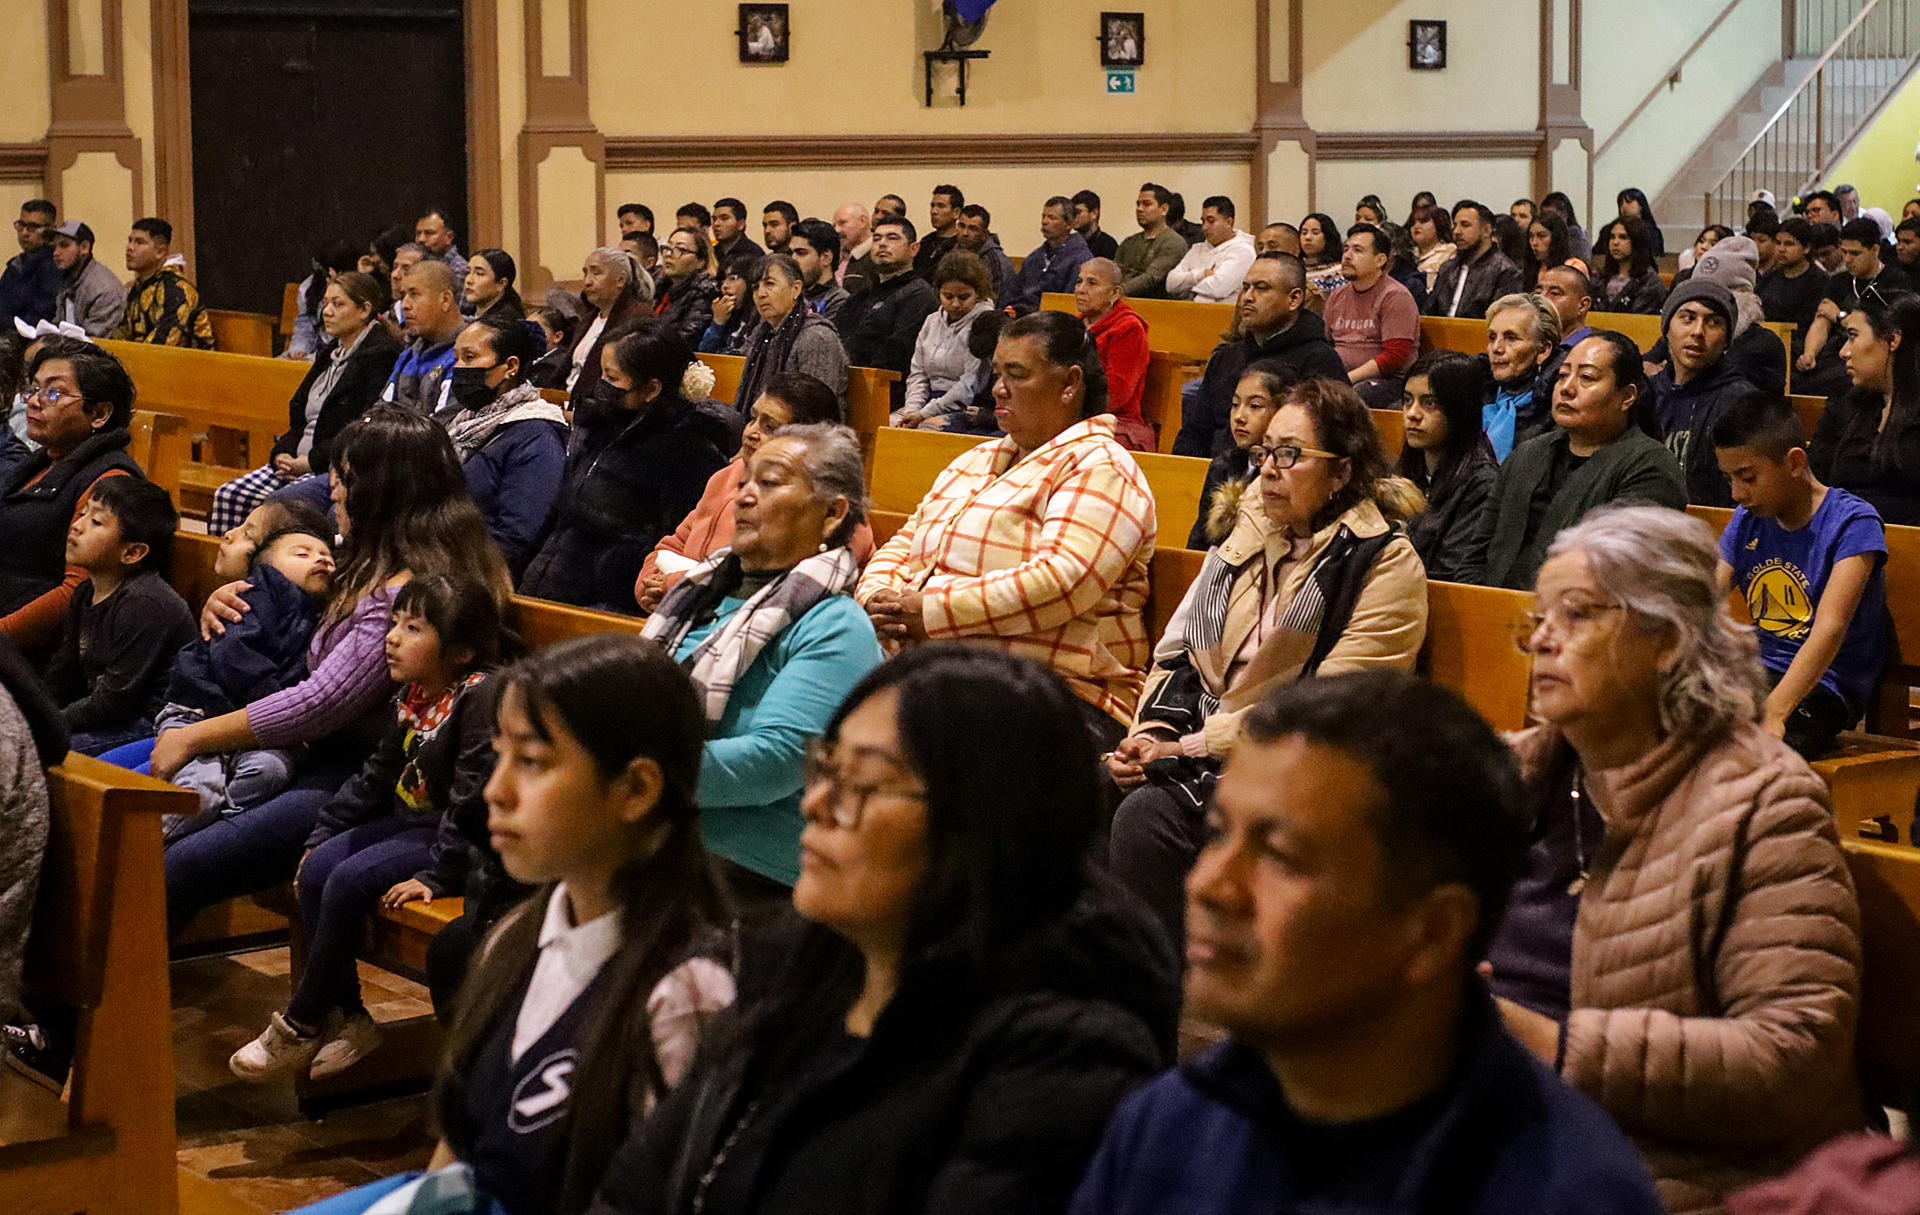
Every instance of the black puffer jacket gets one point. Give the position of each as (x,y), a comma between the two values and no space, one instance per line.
(627,486)
(961,1101)
(688,305)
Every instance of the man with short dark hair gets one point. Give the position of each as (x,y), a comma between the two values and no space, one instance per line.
(31,283)
(433,231)
(162,308)
(1274,323)
(1054,266)
(634,217)
(1371,319)
(1823,207)
(1906,250)
(1350,873)
(1863,278)
(889,204)
(880,325)
(943,219)
(1826,248)
(1790,292)
(777,221)
(1212,270)
(90,295)
(1478,273)
(1698,384)
(1150,254)
(1522,210)
(1570,292)
(815,247)
(1761,230)
(975,235)
(1277,237)
(853,224)
(1086,221)
(694,215)
(430,299)
(730,239)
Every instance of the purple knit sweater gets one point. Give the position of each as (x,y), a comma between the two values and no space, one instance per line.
(348,680)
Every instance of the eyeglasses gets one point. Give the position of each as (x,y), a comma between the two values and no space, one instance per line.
(846,802)
(53,394)
(1562,622)
(21,225)
(1286,455)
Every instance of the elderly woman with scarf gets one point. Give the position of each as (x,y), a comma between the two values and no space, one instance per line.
(616,290)
(512,443)
(774,641)
(789,336)
(1316,578)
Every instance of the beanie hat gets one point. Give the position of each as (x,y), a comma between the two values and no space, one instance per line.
(1732,262)
(1694,290)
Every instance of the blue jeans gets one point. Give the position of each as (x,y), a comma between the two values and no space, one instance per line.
(340,885)
(133,756)
(353,1202)
(101,741)
(249,852)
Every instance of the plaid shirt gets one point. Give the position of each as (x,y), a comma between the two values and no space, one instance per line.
(1046,555)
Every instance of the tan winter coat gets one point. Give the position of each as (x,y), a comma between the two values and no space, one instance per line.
(1716,961)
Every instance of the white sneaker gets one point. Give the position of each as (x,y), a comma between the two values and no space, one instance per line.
(357,1038)
(278,1050)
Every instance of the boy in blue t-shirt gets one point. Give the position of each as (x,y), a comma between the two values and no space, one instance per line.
(1811,562)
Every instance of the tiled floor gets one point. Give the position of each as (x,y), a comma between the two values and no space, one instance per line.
(250,1140)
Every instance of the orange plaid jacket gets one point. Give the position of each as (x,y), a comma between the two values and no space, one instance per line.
(1045,556)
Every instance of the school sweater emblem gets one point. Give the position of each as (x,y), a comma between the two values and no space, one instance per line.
(1779,600)
(542,1095)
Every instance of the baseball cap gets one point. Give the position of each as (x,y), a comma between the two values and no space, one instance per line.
(73,229)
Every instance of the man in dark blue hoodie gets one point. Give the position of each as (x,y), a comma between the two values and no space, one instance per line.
(31,282)
(1354,873)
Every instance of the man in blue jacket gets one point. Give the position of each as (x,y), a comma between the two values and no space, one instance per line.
(1354,872)
(1054,266)
(31,282)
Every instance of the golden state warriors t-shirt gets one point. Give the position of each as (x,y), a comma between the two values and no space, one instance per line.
(1784,574)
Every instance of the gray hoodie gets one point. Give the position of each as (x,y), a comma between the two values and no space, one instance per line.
(93,299)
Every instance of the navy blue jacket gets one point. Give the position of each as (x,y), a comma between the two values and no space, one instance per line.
(263,652)
(30,285)
(1215,1137)
(514,480)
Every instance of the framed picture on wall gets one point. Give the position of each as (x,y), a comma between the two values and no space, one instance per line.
(1426,45)
(765,36)
(1123,39)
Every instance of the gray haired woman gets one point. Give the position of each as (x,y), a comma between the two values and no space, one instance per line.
(1684,946)
(774,641)
(789,336)
(616,291)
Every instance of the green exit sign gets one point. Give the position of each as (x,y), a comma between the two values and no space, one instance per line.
(1120,81)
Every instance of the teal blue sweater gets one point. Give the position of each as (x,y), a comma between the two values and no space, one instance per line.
(750,777)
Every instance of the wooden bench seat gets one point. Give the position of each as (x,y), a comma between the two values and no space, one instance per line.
(99,945)
(1886,878)
(1183,327)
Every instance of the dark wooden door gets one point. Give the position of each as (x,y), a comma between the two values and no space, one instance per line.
(315,120)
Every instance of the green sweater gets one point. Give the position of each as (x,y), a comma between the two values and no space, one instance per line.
(1146,260)
(750,773)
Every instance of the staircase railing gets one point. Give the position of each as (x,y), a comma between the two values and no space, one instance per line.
(1828,110)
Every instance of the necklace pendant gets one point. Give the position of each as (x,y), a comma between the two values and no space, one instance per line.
(1577,885)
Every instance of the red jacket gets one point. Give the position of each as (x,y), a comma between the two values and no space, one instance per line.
(1121,338)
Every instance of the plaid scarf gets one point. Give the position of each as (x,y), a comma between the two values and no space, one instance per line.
(719,661)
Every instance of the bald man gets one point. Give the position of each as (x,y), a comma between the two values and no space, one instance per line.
(1120,335)
(855,272)
(430,300)
(1277,238)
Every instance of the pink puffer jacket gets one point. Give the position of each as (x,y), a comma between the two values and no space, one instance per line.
(1716,961)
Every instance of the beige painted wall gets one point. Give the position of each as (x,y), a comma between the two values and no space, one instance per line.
(856,68)
(23,65)
(1357,79)
(1013,194)
(1342,183)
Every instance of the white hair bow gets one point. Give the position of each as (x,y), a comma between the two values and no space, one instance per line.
(34,333)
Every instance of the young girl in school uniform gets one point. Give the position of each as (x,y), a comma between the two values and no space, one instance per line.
(398,831)
(586,1003)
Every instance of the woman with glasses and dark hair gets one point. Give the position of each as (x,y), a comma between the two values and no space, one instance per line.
(1317,577)
(1684,943)
(1038,543)
(960,1004)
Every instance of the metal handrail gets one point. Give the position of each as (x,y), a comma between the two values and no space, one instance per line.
(1668,79)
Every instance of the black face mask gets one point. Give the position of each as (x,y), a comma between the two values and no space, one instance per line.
(469,388)
(608,396)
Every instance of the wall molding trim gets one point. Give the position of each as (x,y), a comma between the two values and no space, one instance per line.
(1428,145)
(636,152)
(23,161)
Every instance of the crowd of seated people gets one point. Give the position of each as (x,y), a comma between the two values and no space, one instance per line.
(874,888)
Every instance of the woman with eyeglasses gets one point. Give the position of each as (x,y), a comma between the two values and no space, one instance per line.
(687,286)
(1037,543)
(1317,577)
(1684,945)
(960,1004)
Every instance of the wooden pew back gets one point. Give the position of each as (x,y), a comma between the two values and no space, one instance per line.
(242,332)
(1460,333)
(1809,409)
(869,393)
(210,389)
(1185,327)
(1887,879)
(727,369)
(1470,648)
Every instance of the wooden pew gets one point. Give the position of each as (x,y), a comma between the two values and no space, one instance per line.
(869,393)
(162,445)
(1167,374)
(1391,426)
(1809,409)
(1887,879)
(727,369)
(1470,648)
(1172,572)
(1464,334)
(289,310)
(242,332)
(99,944)
(1184,327)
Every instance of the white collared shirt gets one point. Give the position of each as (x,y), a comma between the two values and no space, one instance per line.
(570,956)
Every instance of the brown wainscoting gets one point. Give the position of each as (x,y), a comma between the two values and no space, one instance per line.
(23,162)
(629,152)
(1427,145)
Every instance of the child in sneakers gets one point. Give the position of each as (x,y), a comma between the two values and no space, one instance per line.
(284,552)
(396,832)
(124,624)
(1811,563)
